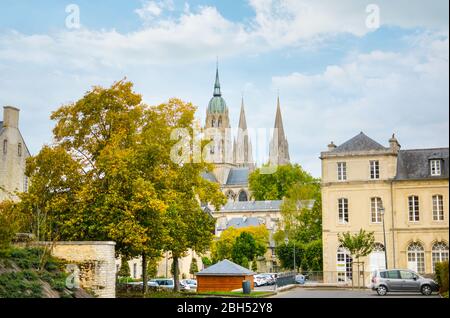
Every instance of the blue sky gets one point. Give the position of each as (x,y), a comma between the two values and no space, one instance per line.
(336,76)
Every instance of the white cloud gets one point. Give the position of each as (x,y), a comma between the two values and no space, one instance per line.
(379,92)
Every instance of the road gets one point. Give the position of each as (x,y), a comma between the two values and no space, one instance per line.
(343,293)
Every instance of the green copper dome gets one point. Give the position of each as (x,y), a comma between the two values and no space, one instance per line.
(217,104)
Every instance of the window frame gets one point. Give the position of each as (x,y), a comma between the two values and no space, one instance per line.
(435,167)
(440,252)
(416,209)
(342,171)
(376,212)
(343,203)
(438,207)
(374,169)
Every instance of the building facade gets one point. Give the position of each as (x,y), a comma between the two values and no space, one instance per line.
(14,154)
(366,185)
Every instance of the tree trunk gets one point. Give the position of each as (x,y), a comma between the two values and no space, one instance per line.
(176,281)
(144,273)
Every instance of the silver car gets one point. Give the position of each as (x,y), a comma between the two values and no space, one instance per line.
(402,280)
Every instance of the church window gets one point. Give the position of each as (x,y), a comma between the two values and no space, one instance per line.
(243,196)
(19,150)
(213,122)
(219,123)
(25,184)
(5,146)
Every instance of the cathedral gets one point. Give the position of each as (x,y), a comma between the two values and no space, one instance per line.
(232,157)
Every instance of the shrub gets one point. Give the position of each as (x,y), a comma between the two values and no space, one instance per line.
(124,270)
(441,275)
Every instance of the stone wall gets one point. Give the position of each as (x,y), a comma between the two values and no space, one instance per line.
(95,263)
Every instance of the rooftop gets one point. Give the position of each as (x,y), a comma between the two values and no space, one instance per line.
(414,164)
(360,142)
(240,206)
(225,268)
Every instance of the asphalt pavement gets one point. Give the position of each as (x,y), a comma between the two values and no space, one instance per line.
(301,292)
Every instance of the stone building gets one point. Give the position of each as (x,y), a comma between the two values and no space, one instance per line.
(364,185)
(14,153)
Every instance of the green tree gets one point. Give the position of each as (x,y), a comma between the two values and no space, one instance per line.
(152,267)
(109,176)
(193,269)
(245,248)
(275,186)
(285,253)
(359,244)
(223,246)
(206,261)
(254,265)
(11,221)
(124,270)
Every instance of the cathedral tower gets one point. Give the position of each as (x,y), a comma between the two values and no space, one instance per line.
(243,147)
(279,147)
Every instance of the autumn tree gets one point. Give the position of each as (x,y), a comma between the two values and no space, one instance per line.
(276,185)
(109,176)
(222,248)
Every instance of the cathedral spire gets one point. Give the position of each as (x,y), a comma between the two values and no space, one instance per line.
(217,83)
(243,146)
(242,120)
(279,147)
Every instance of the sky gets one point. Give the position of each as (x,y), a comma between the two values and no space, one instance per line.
(339,67)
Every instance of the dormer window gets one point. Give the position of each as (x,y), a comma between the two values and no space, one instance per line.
(435,167)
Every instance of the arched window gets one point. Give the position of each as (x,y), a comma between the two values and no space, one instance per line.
(376,204)
(19,149)
(343,264)
(219,122)
(5,146)
(416,257)
(243,196)
(213,122)
(230,195)
(439,253)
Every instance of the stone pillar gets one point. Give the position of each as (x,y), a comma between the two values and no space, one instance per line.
(95,262)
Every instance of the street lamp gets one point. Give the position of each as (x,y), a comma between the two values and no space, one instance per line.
(382,210)
(286,241)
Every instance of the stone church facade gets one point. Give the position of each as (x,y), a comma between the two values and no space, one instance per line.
(14,153)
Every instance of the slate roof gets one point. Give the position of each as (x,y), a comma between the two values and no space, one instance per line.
(274,205)
(209,176)
(225,268)
(238,176)
(238,223)
(359,143)
(415,164)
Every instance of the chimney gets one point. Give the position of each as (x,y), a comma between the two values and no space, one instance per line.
(331,146)
(10,117)
(393,144)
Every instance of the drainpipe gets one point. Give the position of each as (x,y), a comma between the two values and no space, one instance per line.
(393,222)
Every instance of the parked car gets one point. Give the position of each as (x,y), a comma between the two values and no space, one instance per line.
(192,283)
(167,283)
(402,280)
(270,279)
(259,280)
